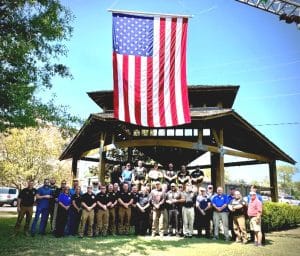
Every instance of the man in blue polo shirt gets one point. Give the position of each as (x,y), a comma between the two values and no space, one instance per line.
(219,203)
(43,195)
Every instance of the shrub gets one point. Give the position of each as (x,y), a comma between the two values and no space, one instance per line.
(279,216)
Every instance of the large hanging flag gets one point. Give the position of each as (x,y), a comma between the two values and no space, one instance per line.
(149,69)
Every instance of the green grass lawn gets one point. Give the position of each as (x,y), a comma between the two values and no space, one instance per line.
(278,243)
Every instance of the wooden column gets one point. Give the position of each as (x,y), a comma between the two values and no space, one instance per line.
(217,161)
(217,171)
(102,154)
(273,181)
(129,153)
(74,167)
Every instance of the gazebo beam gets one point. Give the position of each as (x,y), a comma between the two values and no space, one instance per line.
(189,145)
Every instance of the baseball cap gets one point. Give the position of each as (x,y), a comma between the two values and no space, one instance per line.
(173,184)
(252,193)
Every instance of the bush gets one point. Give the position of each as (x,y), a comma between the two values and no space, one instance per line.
(279,216)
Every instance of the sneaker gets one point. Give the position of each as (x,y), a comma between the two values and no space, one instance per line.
(214,238)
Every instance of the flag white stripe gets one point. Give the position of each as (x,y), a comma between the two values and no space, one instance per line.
(120,87)
(131,88)
(178,94)
(167,67)
(155,92)
(144,120)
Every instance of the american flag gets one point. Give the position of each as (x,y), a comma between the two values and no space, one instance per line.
(149,70)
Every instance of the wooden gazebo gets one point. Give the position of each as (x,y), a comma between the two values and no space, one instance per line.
(211,110)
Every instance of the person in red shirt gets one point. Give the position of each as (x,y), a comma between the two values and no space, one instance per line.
(254,213)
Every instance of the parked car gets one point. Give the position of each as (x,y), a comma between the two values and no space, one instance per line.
(289,200)
(9,195)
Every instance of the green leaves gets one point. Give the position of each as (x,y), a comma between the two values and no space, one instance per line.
(31,41)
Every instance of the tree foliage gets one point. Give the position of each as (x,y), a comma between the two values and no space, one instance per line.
(32,153)
(32,33)
(285,177)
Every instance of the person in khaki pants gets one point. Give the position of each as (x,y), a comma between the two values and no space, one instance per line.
(157,198)
(237,207)
(125,200)
(112,203)
(26,200)
(102,200)
(88,204)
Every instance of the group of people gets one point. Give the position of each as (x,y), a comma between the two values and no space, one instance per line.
(154,202)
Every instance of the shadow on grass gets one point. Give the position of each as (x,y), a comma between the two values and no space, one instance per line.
(110,246)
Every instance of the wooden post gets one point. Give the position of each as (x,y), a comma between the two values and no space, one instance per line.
(273,181)
(217,163)
(129,154)
(217,171)
(102,158)
(74,167)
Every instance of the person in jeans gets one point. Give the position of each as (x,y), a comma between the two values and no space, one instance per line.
(26,200)
(220,212)
(173,198)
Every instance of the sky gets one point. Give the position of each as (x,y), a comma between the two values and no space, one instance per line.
(229,43)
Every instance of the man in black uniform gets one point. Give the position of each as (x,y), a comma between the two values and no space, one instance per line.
(112,203)
(134,210)
(88,204)
(26,200)
(125,201)
(102,212)
(197,176)
(170,175)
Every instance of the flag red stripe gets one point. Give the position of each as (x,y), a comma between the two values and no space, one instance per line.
(162,72)
(125,88)
(116,90)
(150,91)
(184,89)
(137,82)
(172,72)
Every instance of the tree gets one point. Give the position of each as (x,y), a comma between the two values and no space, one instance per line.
(32,153)
(285,177)
(31,36)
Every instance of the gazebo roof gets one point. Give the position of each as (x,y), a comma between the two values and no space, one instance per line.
(238,134)
(199,95)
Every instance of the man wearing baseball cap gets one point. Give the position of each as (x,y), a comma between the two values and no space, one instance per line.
(254,213)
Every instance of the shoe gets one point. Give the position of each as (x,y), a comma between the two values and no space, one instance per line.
(259,245)
(214,238)
(80,237)
(245,242)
